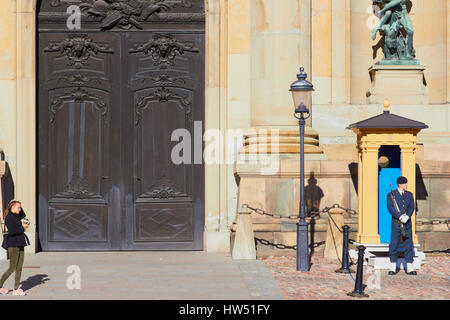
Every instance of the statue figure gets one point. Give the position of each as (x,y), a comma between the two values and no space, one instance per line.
(395,18)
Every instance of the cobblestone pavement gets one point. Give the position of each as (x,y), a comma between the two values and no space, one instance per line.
(431,283)
(259,280)
(193,275)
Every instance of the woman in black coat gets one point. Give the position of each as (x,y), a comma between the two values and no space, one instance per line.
(17,240)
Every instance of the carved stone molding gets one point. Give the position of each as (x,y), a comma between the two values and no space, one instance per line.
(78,48)
(163,48)
(161,95)
(78,95)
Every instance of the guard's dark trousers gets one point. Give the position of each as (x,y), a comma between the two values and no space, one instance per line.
(16,255)
(395,243)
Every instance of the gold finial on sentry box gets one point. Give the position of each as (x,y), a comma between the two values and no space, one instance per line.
(387,104)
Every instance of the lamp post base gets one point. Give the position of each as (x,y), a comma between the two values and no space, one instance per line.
(302,247)
(357,295)
(344,271)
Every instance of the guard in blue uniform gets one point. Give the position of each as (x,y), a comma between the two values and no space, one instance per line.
(405,203)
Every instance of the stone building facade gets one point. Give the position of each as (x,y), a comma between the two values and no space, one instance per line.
(253,49)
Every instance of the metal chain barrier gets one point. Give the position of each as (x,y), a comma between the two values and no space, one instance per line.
(337,206)
(283,246)
(434,222)
(341,231)
(313,214)
(273,215)
(447,251)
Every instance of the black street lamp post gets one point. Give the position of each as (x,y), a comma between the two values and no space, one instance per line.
(301,94)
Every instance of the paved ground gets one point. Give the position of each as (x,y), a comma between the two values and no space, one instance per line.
(144,275)
(206,276)
(431,283)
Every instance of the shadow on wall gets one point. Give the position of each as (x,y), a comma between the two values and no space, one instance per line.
(378,46)
(353,168)
(421,190)
(7,184)
(313,195)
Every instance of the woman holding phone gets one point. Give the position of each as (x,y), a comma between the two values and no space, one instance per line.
(17,240)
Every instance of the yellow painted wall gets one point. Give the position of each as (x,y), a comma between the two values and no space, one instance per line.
(280,44)
(17,106)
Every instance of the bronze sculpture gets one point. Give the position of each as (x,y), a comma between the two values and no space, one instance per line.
(396,26)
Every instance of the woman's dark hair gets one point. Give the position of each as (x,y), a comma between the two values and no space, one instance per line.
(8,209)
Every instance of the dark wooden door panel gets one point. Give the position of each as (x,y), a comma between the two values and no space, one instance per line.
(78,151)
(160,222)
(166,72)
(85,223)
(78,94)
(110,97)
(159,176)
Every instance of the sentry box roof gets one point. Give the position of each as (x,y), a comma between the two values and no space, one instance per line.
(387,120)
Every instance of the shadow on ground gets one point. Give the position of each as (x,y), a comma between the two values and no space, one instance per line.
(34,281)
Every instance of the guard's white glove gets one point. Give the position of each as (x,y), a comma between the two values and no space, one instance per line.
(404,218)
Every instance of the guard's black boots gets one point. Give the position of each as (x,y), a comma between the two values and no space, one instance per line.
(391,273)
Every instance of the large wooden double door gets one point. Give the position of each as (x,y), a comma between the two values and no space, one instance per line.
(110,96)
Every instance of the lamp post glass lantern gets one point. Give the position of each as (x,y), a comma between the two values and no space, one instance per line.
(302,95)
(302,91)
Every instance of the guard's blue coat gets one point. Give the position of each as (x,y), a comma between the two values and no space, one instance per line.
(406,205)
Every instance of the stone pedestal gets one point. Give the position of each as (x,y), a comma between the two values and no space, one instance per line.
(403,84)
(244,244)
(334,242)
(377,256)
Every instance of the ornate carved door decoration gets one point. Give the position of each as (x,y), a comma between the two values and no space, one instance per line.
(78,79)
(161,95)
(163,48)
(108,104)
(77,49)
(164,189)
(78,95)
(124,14)
(77,188)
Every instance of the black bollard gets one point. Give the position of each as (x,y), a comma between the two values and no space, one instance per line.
(345,267)
(359,290)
